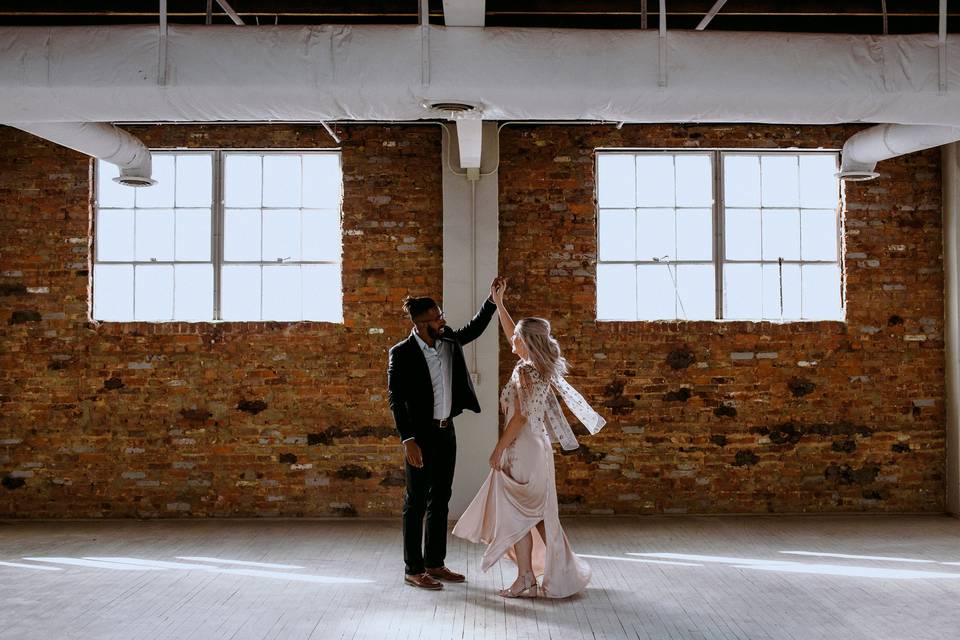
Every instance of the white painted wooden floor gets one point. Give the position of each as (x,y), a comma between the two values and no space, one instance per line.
(873,577)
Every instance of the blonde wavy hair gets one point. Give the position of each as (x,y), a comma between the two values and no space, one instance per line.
(543,349)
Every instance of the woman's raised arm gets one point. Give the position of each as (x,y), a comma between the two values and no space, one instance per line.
(506,322)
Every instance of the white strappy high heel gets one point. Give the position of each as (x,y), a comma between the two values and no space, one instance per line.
(528,587)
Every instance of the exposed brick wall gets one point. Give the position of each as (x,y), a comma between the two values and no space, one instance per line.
(178,419)
(816,417)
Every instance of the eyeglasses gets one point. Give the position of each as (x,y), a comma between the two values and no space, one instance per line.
(438,317)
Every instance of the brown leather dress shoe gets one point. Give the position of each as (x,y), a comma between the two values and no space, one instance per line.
(422,580)
(442,573)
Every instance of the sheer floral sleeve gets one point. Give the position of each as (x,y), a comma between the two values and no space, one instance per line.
(536,399)
(527,385)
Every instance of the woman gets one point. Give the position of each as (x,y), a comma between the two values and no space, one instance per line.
(515,512)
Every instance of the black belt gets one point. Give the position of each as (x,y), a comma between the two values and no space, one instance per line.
(442,424)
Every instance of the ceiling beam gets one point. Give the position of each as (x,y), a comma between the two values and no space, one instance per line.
(464,13)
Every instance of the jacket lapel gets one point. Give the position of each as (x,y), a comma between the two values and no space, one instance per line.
(420,368)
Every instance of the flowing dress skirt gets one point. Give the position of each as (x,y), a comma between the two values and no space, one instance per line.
(512,501)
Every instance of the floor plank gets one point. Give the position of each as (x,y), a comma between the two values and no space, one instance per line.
(702,578)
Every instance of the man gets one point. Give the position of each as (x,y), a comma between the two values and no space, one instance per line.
(428,387)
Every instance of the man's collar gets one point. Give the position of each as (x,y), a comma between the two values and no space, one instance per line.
(424,345)
(416,336)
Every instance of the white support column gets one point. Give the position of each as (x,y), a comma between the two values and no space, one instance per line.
(951,265)
(470,242)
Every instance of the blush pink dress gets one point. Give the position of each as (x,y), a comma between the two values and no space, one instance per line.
(523,493)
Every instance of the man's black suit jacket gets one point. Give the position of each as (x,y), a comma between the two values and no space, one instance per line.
(410,390)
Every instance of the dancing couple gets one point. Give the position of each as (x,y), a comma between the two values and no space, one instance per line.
(515,511)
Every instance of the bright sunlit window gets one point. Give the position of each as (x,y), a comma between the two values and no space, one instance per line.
(223,235)
(718,235)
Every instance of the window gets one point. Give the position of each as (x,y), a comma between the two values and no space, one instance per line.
(223,235)
(710,235)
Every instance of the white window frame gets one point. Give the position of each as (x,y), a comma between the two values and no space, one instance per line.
(217,212)
(719,224)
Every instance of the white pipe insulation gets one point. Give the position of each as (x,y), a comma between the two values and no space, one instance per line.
(865,149)
(103,141)
(336,72)
(364,72)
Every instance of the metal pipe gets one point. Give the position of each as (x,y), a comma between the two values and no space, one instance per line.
(333,135)
(662,60)
(424,42)
(162,63)
(710,14)
(237,20)
(942,45)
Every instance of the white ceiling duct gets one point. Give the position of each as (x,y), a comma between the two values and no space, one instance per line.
(103,141)
(314,73)
(865,149)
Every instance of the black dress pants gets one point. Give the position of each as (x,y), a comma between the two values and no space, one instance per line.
(428,495)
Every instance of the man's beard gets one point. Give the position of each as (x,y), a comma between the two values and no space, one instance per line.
(435,333)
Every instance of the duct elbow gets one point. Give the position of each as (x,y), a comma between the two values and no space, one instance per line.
(102,141)
(139,172)
(863,150)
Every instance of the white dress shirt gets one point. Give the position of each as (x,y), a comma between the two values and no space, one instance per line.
(440,363)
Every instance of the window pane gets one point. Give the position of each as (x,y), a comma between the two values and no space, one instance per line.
(322,292)
(281,292)
(772,290)
(194,180)
(655,181)
(616,180)
(160,194)
(781,234)
(281,236)
(656,234)
(153,292)
(741,181)
(819,187)
(193,292)
(656,293)
(193,234)
(779,181)
(114,234)
(818,234)
(616,292)
(696,291)
(322,180)
(742,290)
(694,181)
(821,292)
(240,292)
(321,235)
(617,234)
(154,234)
(242,180)
(113,292)
(281,181)
(742,238)
(109,193)
(241,235)
(695,234)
